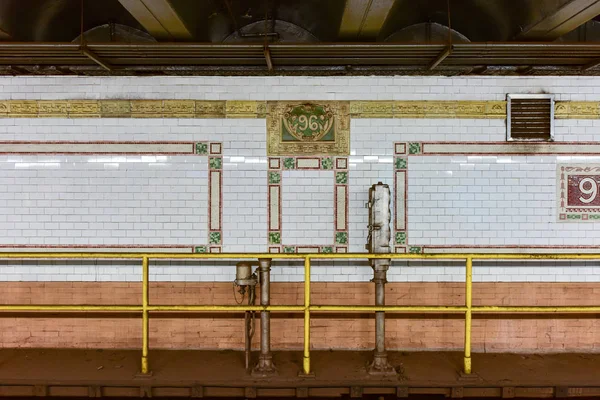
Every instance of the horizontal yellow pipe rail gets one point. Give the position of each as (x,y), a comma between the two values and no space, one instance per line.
(227,308)
(43,307)
(538,309)
(312,308)
(312,256)
(164,308)
(424,309)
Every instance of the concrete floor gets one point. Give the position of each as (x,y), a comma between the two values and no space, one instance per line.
(106,373)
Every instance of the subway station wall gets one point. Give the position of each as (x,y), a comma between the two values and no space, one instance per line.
(93,163)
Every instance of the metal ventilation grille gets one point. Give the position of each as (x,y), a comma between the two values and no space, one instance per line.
(530,117)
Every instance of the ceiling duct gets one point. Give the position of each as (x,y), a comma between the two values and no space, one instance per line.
(114,33)
(588,32)
(276,31)
(426,32)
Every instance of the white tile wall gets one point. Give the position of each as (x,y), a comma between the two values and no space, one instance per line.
(490,201)
(103,200)
(298,87)
(482,215)
(291,271)
(307,211)
(576,130)
(244,205)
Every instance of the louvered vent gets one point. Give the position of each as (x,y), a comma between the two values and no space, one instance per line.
(530,117)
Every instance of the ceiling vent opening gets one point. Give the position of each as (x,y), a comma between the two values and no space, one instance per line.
(530,117)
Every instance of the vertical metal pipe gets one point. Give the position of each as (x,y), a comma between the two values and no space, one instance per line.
(265,366)
(379,242)
(379,317)
(306,361)
(265,333)
(145,319)
(265,316)
(247,344)
(469,301)
(380,365)
(249,324)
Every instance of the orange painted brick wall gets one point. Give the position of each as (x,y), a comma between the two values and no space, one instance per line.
(412,332)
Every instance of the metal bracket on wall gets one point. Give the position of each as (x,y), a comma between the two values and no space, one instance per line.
(94,57)
(268,59)
(441,57)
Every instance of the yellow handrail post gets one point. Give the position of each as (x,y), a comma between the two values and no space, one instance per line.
(306,363)
(145,319)
(468,304)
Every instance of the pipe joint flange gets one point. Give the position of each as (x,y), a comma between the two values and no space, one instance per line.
(264,264)
(380,365)
(382,280)
(380,265)
(379,276)
(265,367)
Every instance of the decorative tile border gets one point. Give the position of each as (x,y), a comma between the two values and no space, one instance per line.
(132,109)
(577,109)
(214,152)
(400,190)
(506,249)
(123,108)
(428,109)
(211,150)
(339,166)
(503,148)
(578,212)
(463,109)
(577,192)
(34,248)
(132,148)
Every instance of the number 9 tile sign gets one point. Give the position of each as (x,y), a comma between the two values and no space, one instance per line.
(577,193)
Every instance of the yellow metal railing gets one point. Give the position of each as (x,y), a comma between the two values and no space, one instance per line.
(468,309)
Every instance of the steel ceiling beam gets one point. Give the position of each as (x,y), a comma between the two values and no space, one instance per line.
(158,17)
(364,18)
(355,58)
(4,35)
(562,20)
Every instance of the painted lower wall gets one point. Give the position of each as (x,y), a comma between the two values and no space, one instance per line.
(331,331)
(183,183)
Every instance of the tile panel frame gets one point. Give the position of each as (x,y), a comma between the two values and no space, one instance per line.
(290,163)
(406,150)
(215,236)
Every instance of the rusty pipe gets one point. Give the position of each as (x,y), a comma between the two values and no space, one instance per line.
(265,297)
(380,364)
(249,325)
(380,315)
(265,366)
(380,279)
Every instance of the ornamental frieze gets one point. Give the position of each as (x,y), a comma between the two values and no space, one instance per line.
(577,109)
(428,109)
(139,108)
